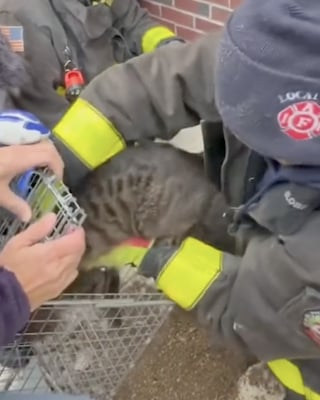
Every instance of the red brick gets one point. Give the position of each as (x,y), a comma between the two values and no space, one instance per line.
(206,26)
(163,22)
(235,3)
(193,6)
(224,3)
(220,14)
(188,34)
(153,9)
(178,17)
(163,2)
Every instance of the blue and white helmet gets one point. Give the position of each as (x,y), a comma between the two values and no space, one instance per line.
(21,127)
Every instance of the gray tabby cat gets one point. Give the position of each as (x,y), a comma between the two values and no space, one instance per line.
(153,191)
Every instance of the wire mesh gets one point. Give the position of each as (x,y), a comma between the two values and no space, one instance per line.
(82,344)
(79,344)
(44,193)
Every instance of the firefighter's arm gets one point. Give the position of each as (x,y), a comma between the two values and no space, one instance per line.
(142,33)
(152,96)
(268,301)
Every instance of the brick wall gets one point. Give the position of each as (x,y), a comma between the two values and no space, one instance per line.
(190,18)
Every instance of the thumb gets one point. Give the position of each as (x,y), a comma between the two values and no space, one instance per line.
(16,205)
(37,231)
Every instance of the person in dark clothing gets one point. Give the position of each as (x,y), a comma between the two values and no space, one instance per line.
(31,273)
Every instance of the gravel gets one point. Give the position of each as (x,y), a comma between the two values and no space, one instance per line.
(180,364)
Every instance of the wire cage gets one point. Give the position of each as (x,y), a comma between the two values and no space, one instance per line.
(86,344)
(79,344)
(44,193)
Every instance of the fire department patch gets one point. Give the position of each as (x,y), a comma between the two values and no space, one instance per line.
(300,121)
(311,325)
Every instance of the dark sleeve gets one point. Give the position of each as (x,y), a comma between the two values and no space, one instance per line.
(158,94)
(15,308)
(142,33)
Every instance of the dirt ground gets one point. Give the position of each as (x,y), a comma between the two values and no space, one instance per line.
(181,365)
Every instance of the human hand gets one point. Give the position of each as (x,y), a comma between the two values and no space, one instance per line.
(45,269)
(15,160)
(26,147)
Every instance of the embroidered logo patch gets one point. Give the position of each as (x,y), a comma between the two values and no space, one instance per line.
(14,35)
(300,121)
(311,325)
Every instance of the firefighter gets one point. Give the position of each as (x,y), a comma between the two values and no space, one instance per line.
(263,78)
(67,43)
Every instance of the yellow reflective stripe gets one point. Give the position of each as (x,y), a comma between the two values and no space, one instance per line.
(105,2)
(61,91)
(154,36)
(121,256)
(189,273)
(290,377)
(89,134)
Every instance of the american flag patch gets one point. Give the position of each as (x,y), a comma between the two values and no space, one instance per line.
(14,35)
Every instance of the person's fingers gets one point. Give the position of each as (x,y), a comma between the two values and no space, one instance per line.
(65,279)
(53,158)
(71,244)
(15,204)
(69,277)
(69,269)
(68,274)
(25,157)
(37,231)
